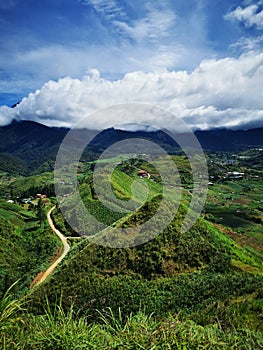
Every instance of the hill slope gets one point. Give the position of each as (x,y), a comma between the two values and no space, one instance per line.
(25,245)
(174,271)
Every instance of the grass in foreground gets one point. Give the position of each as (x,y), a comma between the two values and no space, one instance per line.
(59,330)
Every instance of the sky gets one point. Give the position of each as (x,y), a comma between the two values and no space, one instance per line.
(202,60)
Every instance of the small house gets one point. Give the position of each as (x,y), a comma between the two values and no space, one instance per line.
(142,173)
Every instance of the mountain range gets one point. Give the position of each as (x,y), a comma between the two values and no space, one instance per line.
(27,146)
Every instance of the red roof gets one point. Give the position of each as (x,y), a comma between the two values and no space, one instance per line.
(142,172)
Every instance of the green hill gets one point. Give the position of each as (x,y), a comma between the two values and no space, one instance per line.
(174,272)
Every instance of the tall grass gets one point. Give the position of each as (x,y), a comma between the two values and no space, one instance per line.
(10,309)
(10,317)
(57,329)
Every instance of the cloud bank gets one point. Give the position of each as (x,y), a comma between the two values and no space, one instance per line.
(218,93)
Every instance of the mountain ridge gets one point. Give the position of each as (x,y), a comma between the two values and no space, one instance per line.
(36,145)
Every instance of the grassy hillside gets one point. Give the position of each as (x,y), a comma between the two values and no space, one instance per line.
(122,179)
(180,290)
(26,245)
(17,188)
(131,277)
(204,275)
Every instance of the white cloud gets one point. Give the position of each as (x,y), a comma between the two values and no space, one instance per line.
(251,15)
(6,115)
(225,92)
(155,25)
(248,44)
(108,8)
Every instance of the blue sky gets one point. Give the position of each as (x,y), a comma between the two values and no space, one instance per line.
(62,42)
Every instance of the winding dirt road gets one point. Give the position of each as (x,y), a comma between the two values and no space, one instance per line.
(66,248)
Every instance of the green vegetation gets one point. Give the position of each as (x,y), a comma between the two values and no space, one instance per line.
(194,290)
(65,330)
(19,187)
(9,310)
(26,245)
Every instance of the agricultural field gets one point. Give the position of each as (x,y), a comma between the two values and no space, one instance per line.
(236,205)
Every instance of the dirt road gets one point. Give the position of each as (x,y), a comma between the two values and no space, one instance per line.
(66,249)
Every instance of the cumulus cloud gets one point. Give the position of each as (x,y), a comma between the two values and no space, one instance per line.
(218,93)
(251,16)
(6,115)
